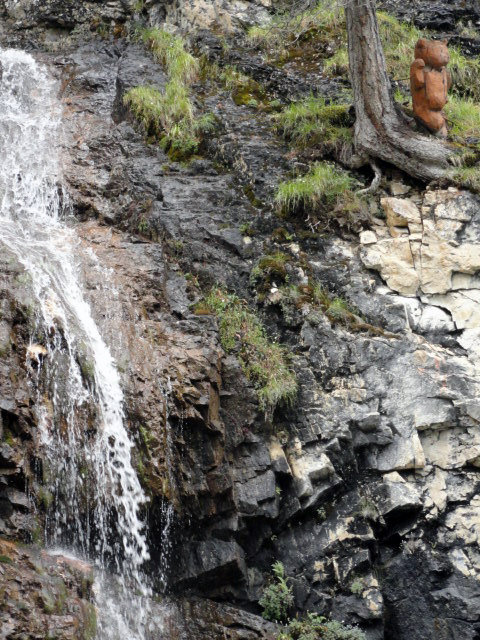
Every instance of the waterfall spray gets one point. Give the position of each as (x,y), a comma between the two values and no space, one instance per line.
(96,495)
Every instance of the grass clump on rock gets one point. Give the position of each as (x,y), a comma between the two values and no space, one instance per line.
(169,50)
(320,24)
(312,121)
(463,115)
(264,362)
(323,196)
(324,185)
(468,177)
(170,116)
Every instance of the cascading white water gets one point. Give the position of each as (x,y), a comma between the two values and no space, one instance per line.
(95,493)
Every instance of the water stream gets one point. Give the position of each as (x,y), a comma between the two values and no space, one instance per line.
(92,491)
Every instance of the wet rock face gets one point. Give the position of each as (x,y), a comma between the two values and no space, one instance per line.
(63,13)
(199,618)
(44,596)
(16,417)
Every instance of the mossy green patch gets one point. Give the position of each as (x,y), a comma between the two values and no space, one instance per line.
(8,437)
(45,498)
(90,622)
(270,269)
(264,362)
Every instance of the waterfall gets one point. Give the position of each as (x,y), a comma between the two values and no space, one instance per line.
(94,496)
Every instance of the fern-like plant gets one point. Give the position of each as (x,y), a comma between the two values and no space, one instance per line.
(277,597)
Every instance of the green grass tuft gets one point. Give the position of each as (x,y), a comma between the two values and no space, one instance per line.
(468,177)
(146,105)
(169,50)
(264,362)
(463,118)
(170,116)
(323,187)
(312,121)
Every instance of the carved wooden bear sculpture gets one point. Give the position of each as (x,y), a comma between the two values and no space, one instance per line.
(429,83)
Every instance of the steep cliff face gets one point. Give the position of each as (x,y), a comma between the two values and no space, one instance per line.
(365,488)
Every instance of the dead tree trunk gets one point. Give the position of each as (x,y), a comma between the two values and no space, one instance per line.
(381,131)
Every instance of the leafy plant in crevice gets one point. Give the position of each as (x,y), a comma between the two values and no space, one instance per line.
(324,196)
(264,362)
(170,116)
(277,601)
(357,586)
(277,597)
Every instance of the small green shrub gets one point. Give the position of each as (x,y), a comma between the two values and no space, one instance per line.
(312,121)
(357,587)
(264,362)
(277,597)
(315,627)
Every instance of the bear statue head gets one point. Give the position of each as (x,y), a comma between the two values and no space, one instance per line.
(433,52)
